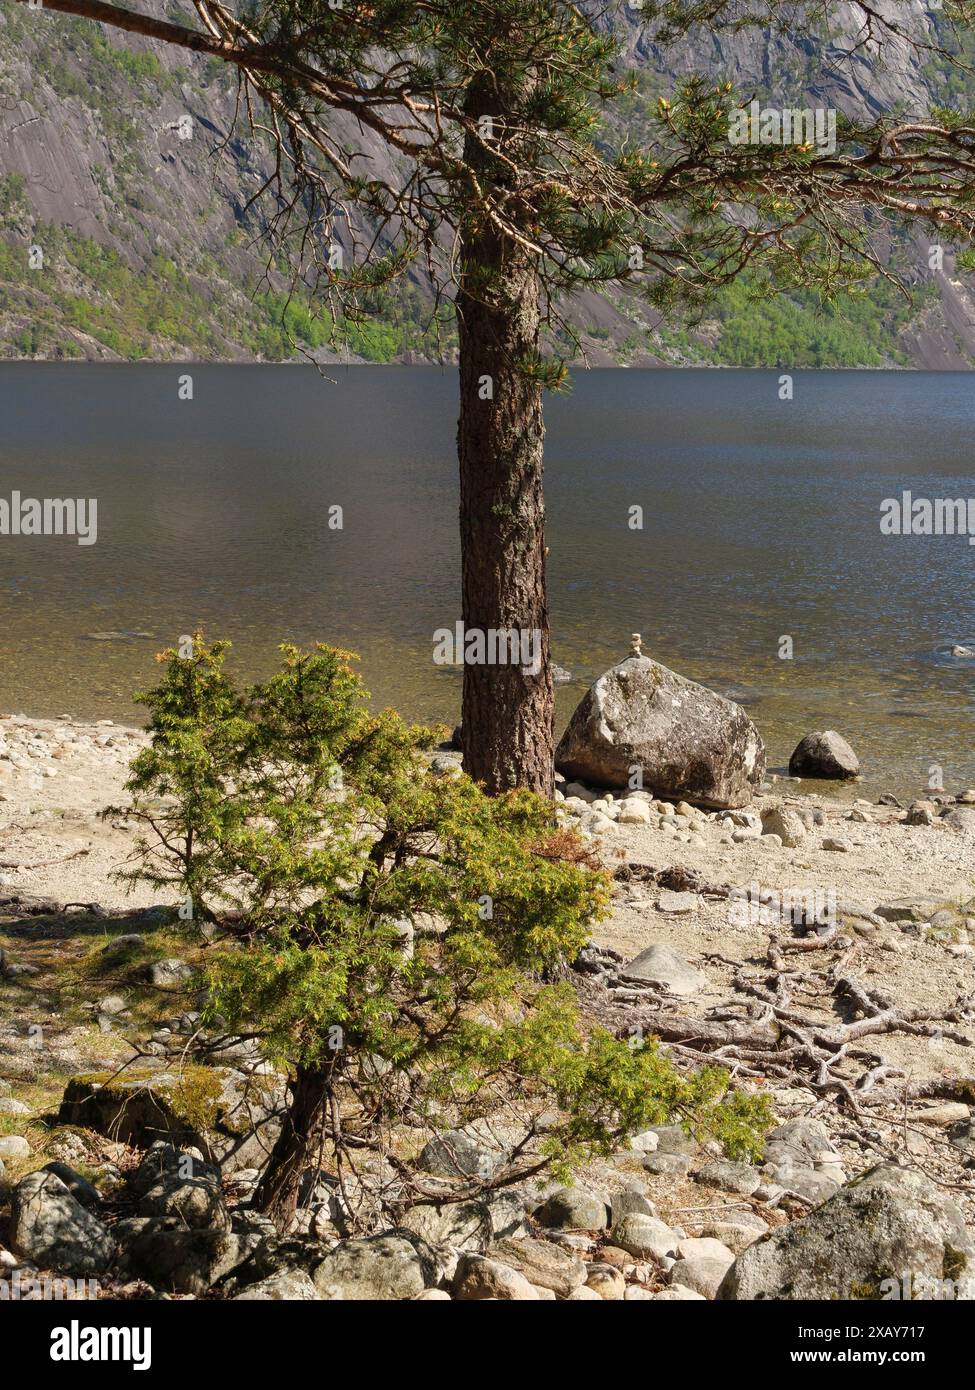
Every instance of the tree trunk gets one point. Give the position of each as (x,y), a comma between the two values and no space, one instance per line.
(508,711)
(277,1192)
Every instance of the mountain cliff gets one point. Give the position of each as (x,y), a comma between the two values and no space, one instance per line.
(126,230)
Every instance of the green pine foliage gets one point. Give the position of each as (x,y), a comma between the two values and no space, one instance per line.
(389,930)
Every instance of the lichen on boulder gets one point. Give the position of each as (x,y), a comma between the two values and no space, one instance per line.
(684,740)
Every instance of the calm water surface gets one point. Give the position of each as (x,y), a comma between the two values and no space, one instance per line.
(761,519)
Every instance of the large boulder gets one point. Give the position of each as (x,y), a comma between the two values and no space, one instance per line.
(889,1224)
(51,1227)
(229,1116)
(825,754)
(687,741)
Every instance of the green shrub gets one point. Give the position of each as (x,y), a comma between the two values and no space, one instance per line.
(390,934)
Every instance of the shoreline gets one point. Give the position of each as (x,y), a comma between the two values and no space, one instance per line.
(61,772)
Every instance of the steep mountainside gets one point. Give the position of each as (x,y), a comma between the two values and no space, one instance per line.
(120,238)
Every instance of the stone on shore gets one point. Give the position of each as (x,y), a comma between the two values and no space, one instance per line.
(826,754)
(688,742)
(785,823)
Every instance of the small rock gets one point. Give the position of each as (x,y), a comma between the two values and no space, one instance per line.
(826,755)
(169,974)
(479,1277)
(644,1236)
(661,965)
(702,1273)
(288,1285)
(786,824)
(740,1178)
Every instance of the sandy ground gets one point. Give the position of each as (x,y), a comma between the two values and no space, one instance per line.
(57,775)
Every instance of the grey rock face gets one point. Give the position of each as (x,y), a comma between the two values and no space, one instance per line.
(826,754)
(171,1183)
(689,742)
(888,1222)
(50,1227)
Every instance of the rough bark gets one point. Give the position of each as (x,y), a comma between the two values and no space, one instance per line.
(277,1193)
(508,711)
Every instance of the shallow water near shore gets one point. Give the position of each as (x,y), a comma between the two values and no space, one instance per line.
(761,519)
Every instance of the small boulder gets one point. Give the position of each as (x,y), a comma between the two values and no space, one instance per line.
(455,1154)
(288,1285)
(457,1225)
(645,1237)
(176,1260)
(702,1274)
(170,1183)
(825,755)
(740,1178)
(542,1264)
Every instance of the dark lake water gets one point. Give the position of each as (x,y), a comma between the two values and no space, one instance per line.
(761,520)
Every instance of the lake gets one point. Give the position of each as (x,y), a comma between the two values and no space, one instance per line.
(761,520)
